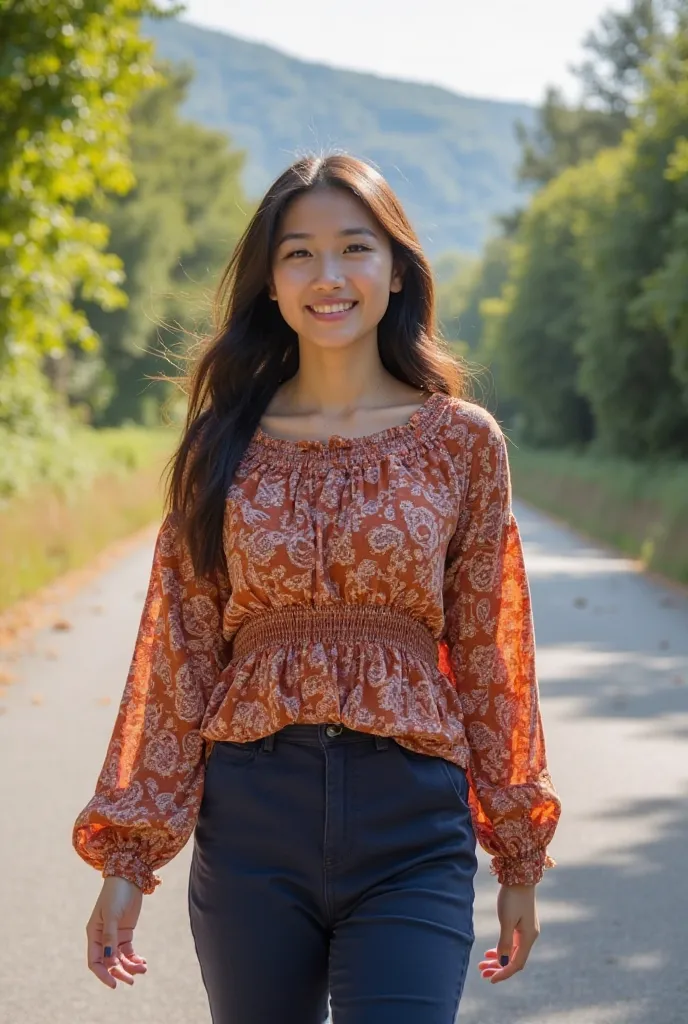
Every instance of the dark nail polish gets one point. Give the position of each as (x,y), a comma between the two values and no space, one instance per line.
(504,960)
(107,952)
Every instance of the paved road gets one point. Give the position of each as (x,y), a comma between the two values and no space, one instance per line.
(613,665)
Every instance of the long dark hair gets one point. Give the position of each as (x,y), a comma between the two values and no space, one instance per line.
(254,350)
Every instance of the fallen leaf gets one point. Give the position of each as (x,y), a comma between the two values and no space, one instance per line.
(581,602)
(104,701)
(37,699)
(62,625)
(6,677)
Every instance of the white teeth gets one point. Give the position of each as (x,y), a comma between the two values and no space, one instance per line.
(339,307)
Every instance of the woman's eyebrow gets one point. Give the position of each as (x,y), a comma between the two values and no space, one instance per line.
(291,235)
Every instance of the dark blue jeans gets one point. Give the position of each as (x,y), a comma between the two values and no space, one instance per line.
(328,862)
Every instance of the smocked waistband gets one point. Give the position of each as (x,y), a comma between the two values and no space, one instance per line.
(344,623)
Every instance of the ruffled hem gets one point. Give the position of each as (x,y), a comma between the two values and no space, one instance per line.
(364,685)
(126,864)
(521,872)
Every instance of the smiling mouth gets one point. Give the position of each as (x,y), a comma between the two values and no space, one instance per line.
(331,310)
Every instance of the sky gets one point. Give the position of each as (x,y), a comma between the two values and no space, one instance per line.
(498,49)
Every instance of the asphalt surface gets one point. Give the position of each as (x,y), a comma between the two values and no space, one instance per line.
(613,669)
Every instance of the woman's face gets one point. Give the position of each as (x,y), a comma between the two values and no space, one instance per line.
(332,269)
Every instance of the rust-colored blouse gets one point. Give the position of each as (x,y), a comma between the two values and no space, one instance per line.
(377,582)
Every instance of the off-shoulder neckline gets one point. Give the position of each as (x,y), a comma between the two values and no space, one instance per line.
(414,427)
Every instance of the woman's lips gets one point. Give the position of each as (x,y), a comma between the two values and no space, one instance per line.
(330,317)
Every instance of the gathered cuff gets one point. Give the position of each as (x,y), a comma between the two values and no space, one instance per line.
(521,871)
(125,863)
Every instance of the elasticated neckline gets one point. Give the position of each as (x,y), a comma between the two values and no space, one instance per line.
(402,436)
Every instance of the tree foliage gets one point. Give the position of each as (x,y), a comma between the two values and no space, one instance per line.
(590,332)
(172,232)
(535,324)
(611,81)
(633,343)
(69,72)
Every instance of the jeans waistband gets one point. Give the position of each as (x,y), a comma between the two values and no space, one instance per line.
(316,735)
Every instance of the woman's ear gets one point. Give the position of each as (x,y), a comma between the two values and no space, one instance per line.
(397,281)
(271,291)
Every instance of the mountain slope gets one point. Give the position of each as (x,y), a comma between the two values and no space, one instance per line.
(450,158)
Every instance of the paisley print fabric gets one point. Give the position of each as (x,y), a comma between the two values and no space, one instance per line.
(376,582)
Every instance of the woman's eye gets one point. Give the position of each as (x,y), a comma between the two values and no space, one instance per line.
(356,246)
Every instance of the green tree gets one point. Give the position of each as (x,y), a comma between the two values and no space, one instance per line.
(611,82)
(453,274)
(172,232)
(462,299)
(534,327)
(69,73)
(663,301)
(633,343)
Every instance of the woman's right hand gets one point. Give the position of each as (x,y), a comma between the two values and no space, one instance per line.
(112,925)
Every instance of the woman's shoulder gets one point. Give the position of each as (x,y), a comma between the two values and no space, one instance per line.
(466,424)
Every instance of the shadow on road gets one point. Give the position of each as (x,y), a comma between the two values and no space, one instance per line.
(612,949)
(610,639)
(612,656)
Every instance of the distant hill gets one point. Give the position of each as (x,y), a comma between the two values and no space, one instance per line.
(450,158)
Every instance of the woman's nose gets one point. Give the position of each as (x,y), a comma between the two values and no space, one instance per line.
(329,273)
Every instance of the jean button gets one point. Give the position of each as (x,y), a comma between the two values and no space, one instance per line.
(333,730)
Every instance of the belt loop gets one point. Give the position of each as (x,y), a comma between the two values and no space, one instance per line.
(381,742)
(269,742)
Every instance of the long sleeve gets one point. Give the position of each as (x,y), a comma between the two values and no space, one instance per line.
(490,640)
(150,787)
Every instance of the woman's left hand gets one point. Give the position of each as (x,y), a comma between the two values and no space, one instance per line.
(520,929)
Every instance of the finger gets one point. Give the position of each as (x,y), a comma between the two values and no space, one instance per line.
(505,946)
(519,958)
(110,940)
(102,974)
(491,959)
(94,957)
(492,964)
(121,960)
(97,967)
(131,966)
(119,972)
(111,969)
(489,967)
(128,949)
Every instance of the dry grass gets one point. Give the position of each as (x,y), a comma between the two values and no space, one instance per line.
(45,535)
(642,510)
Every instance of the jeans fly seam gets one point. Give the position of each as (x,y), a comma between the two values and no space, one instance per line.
(326,878)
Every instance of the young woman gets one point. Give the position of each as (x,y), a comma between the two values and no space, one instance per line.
(333,684)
